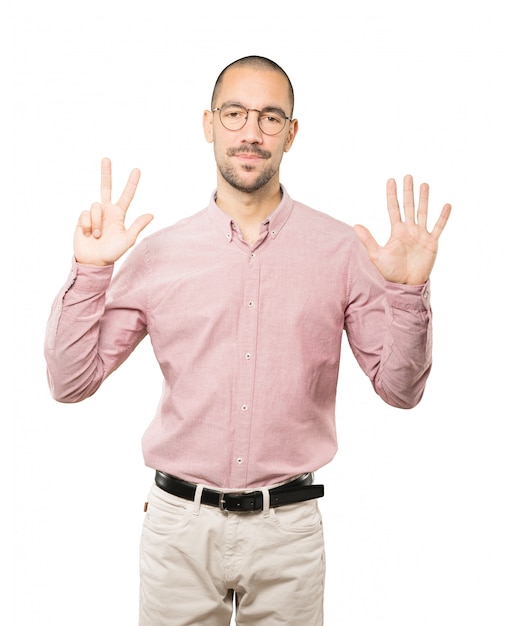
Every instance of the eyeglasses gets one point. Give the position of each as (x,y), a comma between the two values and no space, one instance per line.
(271,121)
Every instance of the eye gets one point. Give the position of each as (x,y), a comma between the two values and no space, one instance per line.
(271,122)
(272,119)
(234,113)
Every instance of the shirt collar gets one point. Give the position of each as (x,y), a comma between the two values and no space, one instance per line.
(274,222)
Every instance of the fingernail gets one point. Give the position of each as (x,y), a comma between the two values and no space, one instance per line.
(97,232)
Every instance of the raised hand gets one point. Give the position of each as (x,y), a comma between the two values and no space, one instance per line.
(409,255)
(100,237)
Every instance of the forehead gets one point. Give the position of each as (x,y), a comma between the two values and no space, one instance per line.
(254,88)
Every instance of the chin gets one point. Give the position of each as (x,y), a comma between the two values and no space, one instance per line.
(246,183)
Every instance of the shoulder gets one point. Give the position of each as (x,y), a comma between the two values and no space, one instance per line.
(175,238)
(184,228)
(167,244)
(322,226)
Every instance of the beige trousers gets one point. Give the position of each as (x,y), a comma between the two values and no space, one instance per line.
(197,561)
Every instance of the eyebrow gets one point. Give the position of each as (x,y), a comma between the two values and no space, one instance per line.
(266,109)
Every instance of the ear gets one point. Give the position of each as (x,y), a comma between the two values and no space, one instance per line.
(294,127)
(208,126)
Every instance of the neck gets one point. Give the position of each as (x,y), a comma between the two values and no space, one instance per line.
(248,210)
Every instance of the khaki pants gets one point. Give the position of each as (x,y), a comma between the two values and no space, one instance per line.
(197,560)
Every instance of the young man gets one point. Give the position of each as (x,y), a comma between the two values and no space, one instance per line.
(245,304)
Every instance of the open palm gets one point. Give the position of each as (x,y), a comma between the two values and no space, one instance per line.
(410,253)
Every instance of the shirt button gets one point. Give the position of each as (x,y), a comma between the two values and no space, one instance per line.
(239,460)
(251,303)
(244,407)
(252,255)
(247,356)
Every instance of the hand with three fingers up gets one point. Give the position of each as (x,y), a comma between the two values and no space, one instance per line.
(101,237)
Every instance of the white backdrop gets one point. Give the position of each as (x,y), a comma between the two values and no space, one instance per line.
(415,506)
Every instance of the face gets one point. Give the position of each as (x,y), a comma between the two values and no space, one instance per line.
(247,159)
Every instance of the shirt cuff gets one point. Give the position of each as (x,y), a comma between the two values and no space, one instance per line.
(408,297)
(90,278)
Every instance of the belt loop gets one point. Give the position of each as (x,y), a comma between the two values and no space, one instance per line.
(266,501)
(197,499)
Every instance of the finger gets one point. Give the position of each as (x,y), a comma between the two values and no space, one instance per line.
(84,223)
(105,181)
(408,199)
(423,205)
(367,239)
(392,202)
(441,223)
(139,224)
(96,219)
(129,190)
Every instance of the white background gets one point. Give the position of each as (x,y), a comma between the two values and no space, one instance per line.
(415,506)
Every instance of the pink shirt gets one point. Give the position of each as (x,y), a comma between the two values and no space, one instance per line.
(248,339)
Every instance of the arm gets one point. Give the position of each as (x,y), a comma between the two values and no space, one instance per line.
(389,329)
(389,321)
(85,342)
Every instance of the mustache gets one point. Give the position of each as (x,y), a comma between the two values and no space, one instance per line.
(249,148)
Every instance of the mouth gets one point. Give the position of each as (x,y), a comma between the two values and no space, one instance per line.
(249,157)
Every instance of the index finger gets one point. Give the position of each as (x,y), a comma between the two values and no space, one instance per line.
(105,181)
(129,190)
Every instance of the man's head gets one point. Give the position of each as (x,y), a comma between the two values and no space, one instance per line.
(250,123)
(255,63)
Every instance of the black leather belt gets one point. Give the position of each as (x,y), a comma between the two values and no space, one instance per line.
(298,490)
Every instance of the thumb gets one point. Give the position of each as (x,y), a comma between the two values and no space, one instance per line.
(367,239)
(138,225)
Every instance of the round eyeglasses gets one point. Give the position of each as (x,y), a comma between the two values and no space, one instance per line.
(271,121)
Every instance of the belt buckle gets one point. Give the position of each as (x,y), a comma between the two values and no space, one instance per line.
(248,495)
(222,499)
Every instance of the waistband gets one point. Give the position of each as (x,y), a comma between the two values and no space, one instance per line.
(299,489)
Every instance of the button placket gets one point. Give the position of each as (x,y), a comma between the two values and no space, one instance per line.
(247,341)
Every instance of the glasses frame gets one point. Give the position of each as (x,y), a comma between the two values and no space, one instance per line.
(233,130)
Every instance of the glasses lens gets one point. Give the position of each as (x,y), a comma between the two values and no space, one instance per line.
(233,116)
(271,123)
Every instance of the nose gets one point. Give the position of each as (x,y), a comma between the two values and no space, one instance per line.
(251,130)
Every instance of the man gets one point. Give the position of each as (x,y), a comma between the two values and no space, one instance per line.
(245,304)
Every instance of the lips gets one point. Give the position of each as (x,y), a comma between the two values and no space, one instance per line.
(248,156)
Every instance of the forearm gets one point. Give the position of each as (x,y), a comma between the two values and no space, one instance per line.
(389,328)
(406,358)
(75,366)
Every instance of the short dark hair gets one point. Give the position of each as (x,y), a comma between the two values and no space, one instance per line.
(258,63)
